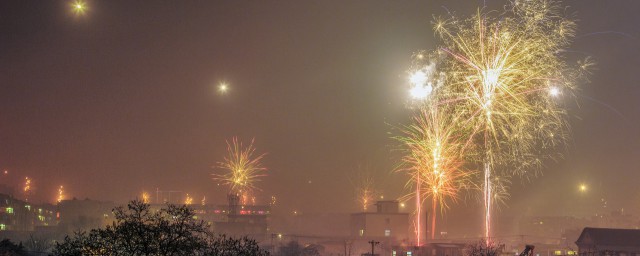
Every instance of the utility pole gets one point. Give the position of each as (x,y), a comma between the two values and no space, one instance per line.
(373,245)
(273,248)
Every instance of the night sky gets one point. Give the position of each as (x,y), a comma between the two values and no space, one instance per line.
(124,99)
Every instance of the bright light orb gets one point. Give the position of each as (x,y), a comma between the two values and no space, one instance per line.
(223,88)
(490,77)
(583,187)
(554,91)
(420,92)
(418,78)
(79,7)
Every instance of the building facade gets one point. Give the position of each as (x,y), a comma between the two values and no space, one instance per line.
(387,222)
(609,242)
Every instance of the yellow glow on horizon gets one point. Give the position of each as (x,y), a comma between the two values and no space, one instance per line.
(188,200)
(60,194)
(145,198)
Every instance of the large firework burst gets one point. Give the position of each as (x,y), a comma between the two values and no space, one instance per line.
(498,74)
(242,168)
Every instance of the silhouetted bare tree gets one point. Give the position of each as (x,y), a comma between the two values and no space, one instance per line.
(8,248)
(482,248)
(39,244)
(140,231)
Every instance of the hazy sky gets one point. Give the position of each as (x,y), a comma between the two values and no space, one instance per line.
(124,98)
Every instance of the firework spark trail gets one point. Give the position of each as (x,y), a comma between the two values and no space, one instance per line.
(418,226)
(503,66)
(365,191)
(27,188)
(434,161)
(498,76)
(242,169)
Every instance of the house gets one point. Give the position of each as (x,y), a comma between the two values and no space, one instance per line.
(609,242)
(386,222)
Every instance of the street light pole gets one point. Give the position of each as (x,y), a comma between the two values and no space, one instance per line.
(373,244)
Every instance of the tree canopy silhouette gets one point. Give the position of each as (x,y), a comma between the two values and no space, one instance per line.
(138,230)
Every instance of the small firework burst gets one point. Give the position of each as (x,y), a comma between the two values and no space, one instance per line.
(242,168)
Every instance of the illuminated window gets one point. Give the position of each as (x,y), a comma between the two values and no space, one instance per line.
(41,218)
(28,207)
(572,253)
(9,210)
(393,253)
(387,232)
(3,227)
(409,253)
(362,232)
(557,252)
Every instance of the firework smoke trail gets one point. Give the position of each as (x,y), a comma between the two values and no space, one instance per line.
(242,169)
